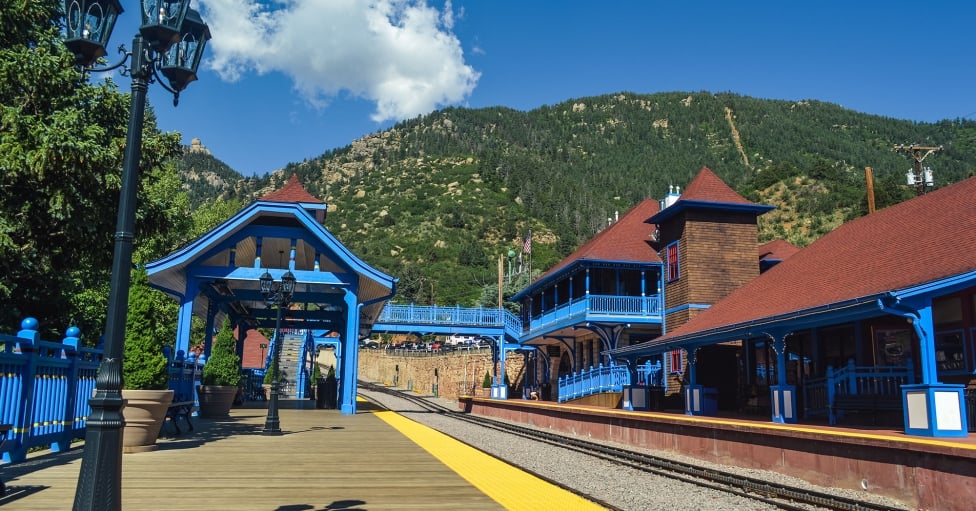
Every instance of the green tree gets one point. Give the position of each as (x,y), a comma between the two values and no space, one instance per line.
(147,330)
(61,145)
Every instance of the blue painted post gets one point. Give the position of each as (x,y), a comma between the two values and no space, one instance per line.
(70,341)
(22,417)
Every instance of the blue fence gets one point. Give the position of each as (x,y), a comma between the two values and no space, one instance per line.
(44,390)
(45,387)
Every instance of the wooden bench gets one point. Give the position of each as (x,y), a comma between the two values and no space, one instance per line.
(864,403)
(179,410)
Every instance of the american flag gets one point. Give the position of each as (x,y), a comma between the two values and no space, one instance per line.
(527,247)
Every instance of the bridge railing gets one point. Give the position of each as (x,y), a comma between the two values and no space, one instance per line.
(440,315)
(44,390)
(610,378)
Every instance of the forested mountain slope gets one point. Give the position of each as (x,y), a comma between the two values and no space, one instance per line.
(436,199)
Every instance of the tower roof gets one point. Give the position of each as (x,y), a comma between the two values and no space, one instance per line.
(708,191)
(292,192)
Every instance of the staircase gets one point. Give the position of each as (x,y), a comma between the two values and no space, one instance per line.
(290,363)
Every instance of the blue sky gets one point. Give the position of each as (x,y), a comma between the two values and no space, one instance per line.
(287,80)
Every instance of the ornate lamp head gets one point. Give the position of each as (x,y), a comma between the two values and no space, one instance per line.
(89,25)
(181,61)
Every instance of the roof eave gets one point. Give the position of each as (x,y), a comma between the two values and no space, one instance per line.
(847,310)
(685,204)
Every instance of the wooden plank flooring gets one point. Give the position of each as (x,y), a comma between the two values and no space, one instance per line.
(323,460)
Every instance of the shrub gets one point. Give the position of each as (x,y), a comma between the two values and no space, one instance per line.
(143,365)
(486,383)
(224,365)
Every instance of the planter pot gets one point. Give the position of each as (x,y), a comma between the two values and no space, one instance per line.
(144,412)
(216,400)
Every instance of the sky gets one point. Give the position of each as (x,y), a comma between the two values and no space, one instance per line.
(287,80)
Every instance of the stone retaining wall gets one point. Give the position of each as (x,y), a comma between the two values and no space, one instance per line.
(459,372)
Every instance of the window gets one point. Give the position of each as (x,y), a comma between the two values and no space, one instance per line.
(672,262)
(675,364)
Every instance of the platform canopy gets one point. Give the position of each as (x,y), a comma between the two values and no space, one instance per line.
(219,272)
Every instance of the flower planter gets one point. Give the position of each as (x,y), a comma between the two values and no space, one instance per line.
(144,412)
(216,400)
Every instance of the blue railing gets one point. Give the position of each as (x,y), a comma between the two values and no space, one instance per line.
(452,316)
(44,390)
(437,315)
(820,393)
(650,375)
(603,305)
(611,378)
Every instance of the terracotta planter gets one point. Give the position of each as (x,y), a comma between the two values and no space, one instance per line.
(216,400)
(144,412)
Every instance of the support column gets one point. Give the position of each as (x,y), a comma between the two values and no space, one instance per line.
(350,355)
(499,390)
(931,408)
(782,396)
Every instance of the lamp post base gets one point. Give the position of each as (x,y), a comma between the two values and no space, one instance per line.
(272,424)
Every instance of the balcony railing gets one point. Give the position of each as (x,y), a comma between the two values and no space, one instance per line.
(603,305)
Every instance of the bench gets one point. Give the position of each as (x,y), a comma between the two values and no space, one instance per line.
(864,403)
(179,410)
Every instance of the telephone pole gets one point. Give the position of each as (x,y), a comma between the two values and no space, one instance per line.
(917,176)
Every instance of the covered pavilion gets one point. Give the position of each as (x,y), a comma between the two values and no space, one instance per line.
(337,294)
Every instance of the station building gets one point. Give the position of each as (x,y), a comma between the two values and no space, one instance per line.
(680,298)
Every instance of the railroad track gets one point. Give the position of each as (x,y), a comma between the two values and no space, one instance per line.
(773,493)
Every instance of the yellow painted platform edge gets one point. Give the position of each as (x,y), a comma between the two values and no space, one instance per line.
(505,484)
(771,426)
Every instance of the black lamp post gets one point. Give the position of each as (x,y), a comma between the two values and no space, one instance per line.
(276,294)
(171,40)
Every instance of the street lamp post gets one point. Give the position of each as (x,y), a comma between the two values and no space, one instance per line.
(170,41)
(276,294)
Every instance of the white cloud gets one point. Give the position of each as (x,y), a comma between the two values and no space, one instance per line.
(400,54)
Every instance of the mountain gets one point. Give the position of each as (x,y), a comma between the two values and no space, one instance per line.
(436,200)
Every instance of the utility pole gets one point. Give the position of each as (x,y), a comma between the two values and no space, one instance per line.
(869,178)
(917,176)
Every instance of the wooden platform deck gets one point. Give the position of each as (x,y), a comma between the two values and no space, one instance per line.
(323,460)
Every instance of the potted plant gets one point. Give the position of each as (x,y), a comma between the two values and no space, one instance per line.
(486,384)
(145,376)
(221,375)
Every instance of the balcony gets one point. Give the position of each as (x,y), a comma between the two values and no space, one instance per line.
(630,309)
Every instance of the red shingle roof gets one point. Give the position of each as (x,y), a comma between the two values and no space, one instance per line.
(292,192)
(624,240)
(918,241)
(778,250)
(707,187)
